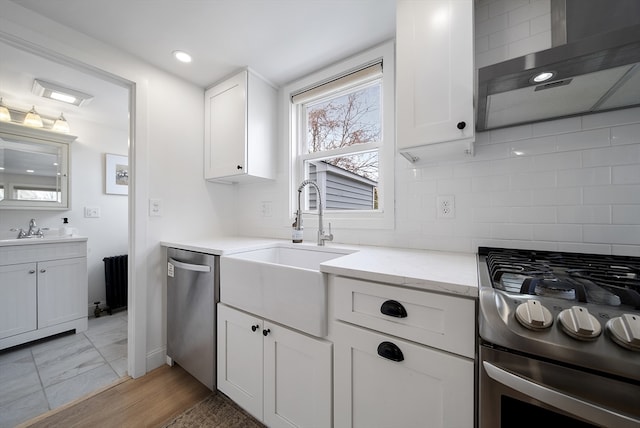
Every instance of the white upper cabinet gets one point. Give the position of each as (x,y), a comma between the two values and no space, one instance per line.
(435,116)
(240,129)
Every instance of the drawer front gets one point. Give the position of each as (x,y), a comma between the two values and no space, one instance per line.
(15,254)
(435,320)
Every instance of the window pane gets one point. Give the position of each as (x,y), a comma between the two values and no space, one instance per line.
(345,120)
(348,182)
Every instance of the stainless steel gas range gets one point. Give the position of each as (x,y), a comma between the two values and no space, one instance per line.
(559,339)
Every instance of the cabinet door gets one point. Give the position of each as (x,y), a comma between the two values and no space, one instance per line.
(434,71)
(427,388)
(226,128)
(240,358)
(62,291)
(297,379)
(17,299)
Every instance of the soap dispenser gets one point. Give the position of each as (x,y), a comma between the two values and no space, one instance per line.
(66,230)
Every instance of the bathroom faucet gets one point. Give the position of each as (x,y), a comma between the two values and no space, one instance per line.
(33,232)
(322,237)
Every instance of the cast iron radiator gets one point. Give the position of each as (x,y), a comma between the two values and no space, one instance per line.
(116,281)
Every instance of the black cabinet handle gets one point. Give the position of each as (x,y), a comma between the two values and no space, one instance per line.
(265,332)
(239,167)
(255,327)
(390,351)
(393,309)
(461,125)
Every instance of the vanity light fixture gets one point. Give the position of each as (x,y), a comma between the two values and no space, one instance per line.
(61,125)
(182,56)
(59,93)
(5,115)
(542,77)
(33,119)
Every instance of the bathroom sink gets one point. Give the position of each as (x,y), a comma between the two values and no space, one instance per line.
(282,283)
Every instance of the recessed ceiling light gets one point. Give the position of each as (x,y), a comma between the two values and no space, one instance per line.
(543,76)
(59,93)
(182,56)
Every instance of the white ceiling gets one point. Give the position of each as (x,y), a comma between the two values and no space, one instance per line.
(282,40)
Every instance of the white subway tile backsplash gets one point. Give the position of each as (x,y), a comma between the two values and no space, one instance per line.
(515,243)
(557,232)
(612,234)
(512,198)
(511,165)
(534,146)
(535,43)
(491,25)
(530,11)
(500,7)
(625,174)
(491,215)
(625,214)
(537,215)
(584,140)
(626,250)
(509,35)
(492,56)
(481,44)
(584,214)
(512,231)
(558,126)
(540,24)
(557,196)
(481,13)
(453,186)
(584,177)
(532,180)
(491,183)
(613,194)
(556,161)
(610,156)
(514,133)
(625,134)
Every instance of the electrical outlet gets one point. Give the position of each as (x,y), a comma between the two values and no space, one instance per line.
(91,212)
(446,206)
(266,208)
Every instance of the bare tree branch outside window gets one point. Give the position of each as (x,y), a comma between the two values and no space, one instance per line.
(347,120)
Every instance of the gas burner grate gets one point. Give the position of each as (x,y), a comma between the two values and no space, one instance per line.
(600,279)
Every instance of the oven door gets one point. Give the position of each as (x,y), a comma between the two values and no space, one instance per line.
(519,391)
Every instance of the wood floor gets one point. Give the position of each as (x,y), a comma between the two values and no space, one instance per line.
(148,401)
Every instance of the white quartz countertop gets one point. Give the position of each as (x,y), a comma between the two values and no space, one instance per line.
(45,240)
(446,272)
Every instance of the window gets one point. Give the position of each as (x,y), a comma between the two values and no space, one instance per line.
(342,137)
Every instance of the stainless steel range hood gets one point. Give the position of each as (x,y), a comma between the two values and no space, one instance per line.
(595,61)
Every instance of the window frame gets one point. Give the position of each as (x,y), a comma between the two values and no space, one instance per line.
(384,217)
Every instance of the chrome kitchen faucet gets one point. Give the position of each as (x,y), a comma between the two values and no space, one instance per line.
(322,237)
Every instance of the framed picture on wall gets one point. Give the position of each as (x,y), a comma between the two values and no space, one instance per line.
(116,174)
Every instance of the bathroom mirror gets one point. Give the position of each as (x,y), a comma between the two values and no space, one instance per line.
(34,168)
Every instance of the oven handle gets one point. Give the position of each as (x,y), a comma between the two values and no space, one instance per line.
(567,403)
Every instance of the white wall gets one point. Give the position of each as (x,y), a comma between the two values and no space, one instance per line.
(167,164)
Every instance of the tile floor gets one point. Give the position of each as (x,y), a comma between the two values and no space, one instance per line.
(45,375)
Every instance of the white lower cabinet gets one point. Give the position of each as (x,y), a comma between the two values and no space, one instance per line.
(403,357)
(426,388)
(280,376)
(43,291)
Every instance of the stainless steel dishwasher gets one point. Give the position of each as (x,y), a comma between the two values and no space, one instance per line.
(192,294)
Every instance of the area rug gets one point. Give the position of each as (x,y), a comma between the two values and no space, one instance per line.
(217,411)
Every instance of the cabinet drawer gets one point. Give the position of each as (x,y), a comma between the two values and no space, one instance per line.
(436,320)
(15,254)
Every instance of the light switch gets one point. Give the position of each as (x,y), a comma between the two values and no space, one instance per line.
(92,212)
(155,208)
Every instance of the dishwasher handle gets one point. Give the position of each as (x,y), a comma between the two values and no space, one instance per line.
(189,266)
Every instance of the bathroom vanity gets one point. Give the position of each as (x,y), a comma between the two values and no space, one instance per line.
(43,288)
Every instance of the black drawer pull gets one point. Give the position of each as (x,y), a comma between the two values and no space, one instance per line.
(390,351)
(393,309)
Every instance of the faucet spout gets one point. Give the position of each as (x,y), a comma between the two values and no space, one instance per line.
(322,237)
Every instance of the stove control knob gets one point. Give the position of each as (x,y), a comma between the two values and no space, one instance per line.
(533,315)
(578,323)
(625,331)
